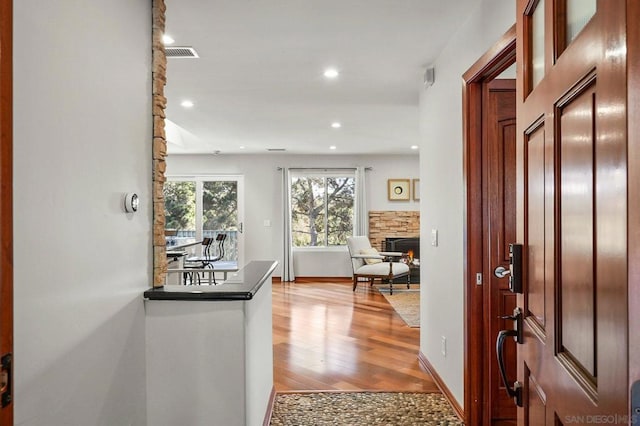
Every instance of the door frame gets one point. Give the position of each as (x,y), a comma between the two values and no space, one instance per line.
(633,175)
(6,188)
(498,58)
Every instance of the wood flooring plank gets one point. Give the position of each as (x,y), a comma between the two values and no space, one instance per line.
(327,337)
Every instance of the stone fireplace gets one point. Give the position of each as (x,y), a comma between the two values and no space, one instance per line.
(406,245)
(386,224)
(396,231)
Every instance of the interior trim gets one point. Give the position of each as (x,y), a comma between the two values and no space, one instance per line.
(6,190)
(441,385)
(270,404)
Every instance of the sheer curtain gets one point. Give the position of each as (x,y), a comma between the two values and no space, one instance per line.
(361,211)
(287,243)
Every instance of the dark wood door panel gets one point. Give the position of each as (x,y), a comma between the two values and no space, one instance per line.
(535,202)
(536,403)
(577,319)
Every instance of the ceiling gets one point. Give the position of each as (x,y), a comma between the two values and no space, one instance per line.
(258,83)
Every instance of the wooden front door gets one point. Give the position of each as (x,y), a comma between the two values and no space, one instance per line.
(6,222)
(572,211)
(499,199)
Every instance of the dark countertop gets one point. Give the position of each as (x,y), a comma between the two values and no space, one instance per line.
(241,285)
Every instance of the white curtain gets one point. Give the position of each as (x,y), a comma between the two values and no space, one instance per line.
(362,211)
(287,243)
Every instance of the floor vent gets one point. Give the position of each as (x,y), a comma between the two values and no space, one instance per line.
(181,52)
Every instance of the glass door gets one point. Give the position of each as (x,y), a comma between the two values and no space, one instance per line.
(197,207)
(221,214)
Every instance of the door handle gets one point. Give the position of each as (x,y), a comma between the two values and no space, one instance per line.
(6,373)
(501,272)
(514,392)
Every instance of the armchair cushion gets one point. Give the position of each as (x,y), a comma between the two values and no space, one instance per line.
(382,269)
(375,258)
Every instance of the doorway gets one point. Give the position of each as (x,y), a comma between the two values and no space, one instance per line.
(490,164)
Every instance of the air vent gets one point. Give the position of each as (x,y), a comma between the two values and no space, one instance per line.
(180,52)
(276,149)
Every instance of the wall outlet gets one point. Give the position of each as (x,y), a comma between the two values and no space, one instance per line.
(443,346)
(434,237)
(267,223)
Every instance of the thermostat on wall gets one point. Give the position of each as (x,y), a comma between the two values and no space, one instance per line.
(131,202)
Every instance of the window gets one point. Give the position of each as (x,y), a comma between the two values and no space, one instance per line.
(322,209)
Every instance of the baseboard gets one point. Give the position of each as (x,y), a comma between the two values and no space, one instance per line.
(269,413)
(300,280)
(441,385)
(324,279)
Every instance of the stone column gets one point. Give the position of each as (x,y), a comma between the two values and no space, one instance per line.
(159,76)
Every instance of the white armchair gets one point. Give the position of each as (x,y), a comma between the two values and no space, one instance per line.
(368,263)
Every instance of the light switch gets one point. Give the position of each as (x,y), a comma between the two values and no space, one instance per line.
(267,223)
(434,237)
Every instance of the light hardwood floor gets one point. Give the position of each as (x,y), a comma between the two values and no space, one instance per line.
(327,337)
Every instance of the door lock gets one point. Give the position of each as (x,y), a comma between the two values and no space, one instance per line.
(515,268)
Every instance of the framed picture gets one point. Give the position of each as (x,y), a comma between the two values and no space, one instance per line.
(398,189)
(416,189)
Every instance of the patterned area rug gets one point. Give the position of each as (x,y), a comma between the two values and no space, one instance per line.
(406,303)
(362,408)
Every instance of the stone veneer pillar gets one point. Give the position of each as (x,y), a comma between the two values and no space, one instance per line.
(159,80)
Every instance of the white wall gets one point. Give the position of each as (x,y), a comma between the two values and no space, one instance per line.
(263,199)
(441,173)
(82,138)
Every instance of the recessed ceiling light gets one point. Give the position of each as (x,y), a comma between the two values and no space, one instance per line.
(242,147)
(187,104)
(167,39)
(332,147)
(336,125)
(331,73)
(414,146)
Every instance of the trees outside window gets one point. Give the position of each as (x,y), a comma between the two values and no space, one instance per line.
(219,206)
(180,206)
(322,210)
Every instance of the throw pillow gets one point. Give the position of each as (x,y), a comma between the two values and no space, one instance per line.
(373,252)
